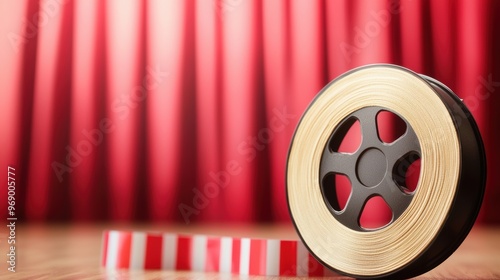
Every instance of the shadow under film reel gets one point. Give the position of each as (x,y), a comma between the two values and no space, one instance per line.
(427,224)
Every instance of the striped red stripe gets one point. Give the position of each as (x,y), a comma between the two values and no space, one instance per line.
(288,258)
(153,252)
(235,267)
(183,253)
(257,257)
(213,254)
(315,268)
(124,243)
(104,253)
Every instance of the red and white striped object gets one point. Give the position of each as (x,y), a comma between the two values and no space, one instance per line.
(245,256)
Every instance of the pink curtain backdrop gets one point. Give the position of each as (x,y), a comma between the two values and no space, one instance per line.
(129,110)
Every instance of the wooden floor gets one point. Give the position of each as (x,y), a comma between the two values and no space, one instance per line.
(73,252)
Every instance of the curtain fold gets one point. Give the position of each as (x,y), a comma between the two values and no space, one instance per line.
(136,110)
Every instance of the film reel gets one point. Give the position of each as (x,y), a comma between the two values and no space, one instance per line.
(429,223)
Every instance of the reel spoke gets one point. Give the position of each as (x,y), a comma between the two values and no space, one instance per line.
(352,211)
(337,162)
(368,120)
(405,144)
(395,197)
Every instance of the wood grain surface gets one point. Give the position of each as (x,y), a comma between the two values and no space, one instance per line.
(73,252)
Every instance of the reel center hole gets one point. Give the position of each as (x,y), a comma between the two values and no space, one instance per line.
(371,167)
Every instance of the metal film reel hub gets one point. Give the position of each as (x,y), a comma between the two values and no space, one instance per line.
(428,224)
(372,168)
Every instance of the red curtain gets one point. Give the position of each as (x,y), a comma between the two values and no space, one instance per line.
(184,110)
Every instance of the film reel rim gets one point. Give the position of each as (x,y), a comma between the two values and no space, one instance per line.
(442,255)
(412,268)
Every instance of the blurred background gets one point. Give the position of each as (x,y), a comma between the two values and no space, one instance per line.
(183,111)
